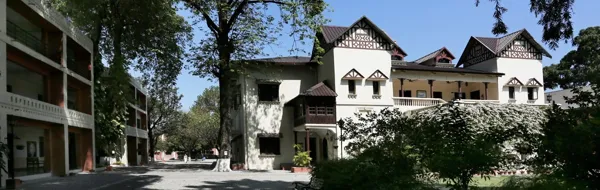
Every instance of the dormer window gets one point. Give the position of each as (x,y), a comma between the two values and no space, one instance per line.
(443,60)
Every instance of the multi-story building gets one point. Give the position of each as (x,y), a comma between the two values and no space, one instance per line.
(296,100)
(135,144)
(46,92)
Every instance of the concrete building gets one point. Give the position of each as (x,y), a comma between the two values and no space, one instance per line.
(295,100)
(558,97)
(46,92)
(135,145)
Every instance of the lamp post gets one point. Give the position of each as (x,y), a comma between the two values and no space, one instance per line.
(341,125)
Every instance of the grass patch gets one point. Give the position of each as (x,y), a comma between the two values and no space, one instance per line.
(484,183)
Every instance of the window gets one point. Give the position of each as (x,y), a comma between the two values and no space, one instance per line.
(407,93)
(268,92)
(376,87)
(511,92)
(41,147)
(532,93)
(396,57)
(461,95)
(269,145)
(444,60)
(138,123)
(8,88)
(421,94)
(71,98)
(549,98)
(351,87)
(437,95)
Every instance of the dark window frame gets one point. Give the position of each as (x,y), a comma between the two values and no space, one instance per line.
(532,93)
(271,90)
(269,145)
(376,88)
(351,87)
(405,92)
(436,93)
(511,92)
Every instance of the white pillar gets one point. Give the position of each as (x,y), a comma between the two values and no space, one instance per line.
(63,63)
(66,134)
(2,47)
(92,107)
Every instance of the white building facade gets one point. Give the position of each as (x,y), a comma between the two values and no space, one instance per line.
(46,92)
(296,100)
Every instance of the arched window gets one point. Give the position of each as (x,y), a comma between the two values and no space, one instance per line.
(444,60)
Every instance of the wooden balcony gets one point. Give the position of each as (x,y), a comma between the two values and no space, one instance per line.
(317,115)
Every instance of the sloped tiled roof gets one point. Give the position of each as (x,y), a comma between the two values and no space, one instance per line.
(498,44)
(432,55)
(416,67)
(332,33)
(287,60)
(319,90)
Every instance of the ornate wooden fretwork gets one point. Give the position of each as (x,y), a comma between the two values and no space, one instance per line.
(514,82)
(521,48)
(377,75)
(353,75)
(533,83)
(477,54)
(363,36)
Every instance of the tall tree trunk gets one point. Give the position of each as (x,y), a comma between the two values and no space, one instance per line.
(151,143)
(223,163)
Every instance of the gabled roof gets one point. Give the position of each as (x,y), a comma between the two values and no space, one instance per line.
(496,45)
(499,44)
(513,82)
(433,55)
(353,75)
(333,33)
(534,82)
(377,75)
(319,90)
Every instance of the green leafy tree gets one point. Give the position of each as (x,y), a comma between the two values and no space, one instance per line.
(554,16)
(123,32)
(238,30)
(163,105)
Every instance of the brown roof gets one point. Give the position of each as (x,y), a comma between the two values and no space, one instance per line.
(417,67)
(432,55)
(288,60)
(498,44)
(332,33)
(319,90)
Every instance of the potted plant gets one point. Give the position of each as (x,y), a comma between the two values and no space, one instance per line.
(301,160)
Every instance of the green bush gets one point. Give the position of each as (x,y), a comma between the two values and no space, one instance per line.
(302,158)
(373,169)
(538,183)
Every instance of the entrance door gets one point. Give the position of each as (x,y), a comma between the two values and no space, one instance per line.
(324,149)
(72,152)
(475,95)
(313,149)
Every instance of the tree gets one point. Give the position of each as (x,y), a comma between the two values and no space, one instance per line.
(239,30)
(454,141)
(163,105)
(123,32)
(555,18)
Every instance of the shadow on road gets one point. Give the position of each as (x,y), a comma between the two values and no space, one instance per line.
(130,178)
(181,167)
(244,184)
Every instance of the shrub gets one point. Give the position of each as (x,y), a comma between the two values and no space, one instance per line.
(538,183)
(374,168)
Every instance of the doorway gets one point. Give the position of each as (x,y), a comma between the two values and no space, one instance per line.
(72,151)
(324,151)
(475,95)
(313,149)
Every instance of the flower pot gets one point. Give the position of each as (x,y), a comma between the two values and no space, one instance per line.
(109,168)
(300,169)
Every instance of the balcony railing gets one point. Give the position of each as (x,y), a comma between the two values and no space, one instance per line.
(317,115)
(25,37)
(416,102)
(136,132)
(35,109)
(470,101)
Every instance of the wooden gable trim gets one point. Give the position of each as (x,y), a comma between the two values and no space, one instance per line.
(466,59)
(525,35)
(353,75)
(513,82)
(444,53)
(373,38)
(377,75)
(533,83)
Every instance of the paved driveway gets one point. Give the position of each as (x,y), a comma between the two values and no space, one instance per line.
(171,175)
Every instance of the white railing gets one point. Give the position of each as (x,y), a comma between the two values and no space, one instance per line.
(417,102)
(470,101)
(35,109)
(76,118)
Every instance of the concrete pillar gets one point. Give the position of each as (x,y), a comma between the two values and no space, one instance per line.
(430,88)
(3,120)
(59,154)
(93,135)
(86,154)
(401,87)
(66,147)
(3,134)
(486,90)
(460,90)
